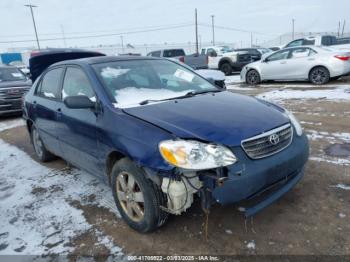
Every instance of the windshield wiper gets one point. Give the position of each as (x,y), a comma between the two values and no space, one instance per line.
(189,94)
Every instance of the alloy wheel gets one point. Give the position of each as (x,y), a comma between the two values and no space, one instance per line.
(130,196)
(38,144)
(318,76)
(253,77)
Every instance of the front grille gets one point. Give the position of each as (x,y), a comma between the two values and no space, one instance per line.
(267,143)
(12,93)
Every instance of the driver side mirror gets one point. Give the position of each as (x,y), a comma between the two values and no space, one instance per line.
(78,102)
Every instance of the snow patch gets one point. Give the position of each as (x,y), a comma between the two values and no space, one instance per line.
(234,79)
(11,124)
(228,231)
(340,93)
(132,96)
(338,161)
(251,245)
(342,186)
(36,212)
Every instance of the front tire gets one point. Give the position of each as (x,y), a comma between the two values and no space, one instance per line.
(319,75)
(40,150)
(226,68)
(253,77)
(137,198)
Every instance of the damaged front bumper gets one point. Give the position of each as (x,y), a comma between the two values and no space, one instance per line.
(272,176)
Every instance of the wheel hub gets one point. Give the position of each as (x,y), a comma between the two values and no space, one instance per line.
(130,196)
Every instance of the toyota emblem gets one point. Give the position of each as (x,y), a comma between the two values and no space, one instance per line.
(274,139)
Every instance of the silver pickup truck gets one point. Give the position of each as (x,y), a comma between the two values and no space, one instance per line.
(196,61)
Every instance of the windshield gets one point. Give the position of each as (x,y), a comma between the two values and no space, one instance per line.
(226,49)
(131,82)
(11,74)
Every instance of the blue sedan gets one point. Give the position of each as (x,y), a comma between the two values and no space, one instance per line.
(159,134)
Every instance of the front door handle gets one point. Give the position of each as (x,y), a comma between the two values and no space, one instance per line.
(311,59)
(283,62)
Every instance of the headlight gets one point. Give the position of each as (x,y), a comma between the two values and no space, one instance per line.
(295,123)
(195,155)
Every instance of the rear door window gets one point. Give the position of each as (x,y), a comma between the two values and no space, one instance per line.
(299,53)
(169,53)
(179,52)
(155,53)
(50,84)
(279,55)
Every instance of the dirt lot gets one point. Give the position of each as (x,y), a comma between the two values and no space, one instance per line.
(313,218)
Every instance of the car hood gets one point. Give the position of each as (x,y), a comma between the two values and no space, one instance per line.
(224,118)
(24,83)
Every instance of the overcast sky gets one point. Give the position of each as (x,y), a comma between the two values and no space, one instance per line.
(266,18)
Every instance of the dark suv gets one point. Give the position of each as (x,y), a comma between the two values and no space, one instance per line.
(13,85)
(159,134)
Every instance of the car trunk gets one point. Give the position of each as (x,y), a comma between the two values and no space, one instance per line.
(41,60)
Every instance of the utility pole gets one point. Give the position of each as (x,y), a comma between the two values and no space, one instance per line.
(64,36)
(342,32)
(213,28)
(293,20)
(36,33)
(122,41)
(196,23)
(251,39)
(338,28)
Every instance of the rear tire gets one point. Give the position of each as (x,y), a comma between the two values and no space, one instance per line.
(253,77)
(138,199)
(226,68)
(40,150)
(319,75)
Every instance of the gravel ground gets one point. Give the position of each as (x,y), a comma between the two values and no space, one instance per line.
(313,218)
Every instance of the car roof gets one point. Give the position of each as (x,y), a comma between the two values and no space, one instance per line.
(104,59)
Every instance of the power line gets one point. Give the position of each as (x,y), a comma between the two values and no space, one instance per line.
(99,35)
(236,29)
(98,31)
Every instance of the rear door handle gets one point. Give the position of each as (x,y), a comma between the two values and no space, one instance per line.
(311,59)
(283,62)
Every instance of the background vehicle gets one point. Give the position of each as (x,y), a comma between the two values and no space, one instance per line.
(226,59)
(168,143)
(316,64)
(215,76)
(21,66)
(322,40)
(196,61)
(255,53)
(13,85)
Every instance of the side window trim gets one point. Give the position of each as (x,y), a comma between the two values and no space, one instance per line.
(39,86)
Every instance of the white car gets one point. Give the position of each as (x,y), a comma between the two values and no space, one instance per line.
(315,64)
